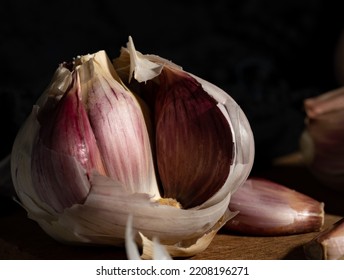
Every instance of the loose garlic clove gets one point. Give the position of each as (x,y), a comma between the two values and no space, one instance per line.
(328,244)
(266,208)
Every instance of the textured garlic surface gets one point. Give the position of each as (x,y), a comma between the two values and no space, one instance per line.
(136,137)
(267,208)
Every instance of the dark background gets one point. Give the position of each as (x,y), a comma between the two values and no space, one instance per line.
(268,55)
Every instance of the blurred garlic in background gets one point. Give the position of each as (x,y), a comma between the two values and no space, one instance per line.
(322,142)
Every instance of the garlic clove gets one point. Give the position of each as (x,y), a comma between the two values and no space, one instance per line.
(21,155)
(325,103)
(328,244)
(194,143)
(65,137)
(116,117)
(267,208)
(225,113)
(67,130)
(243,141)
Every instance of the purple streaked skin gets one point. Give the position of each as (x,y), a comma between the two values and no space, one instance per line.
(270,209)
(65,137)
(193,140)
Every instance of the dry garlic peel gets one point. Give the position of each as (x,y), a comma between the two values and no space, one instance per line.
(84,160)
(156,250)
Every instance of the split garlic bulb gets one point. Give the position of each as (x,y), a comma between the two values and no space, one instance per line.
(92,152)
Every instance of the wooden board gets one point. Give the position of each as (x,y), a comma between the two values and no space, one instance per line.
(234,247)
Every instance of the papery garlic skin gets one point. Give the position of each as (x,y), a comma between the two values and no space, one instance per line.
(112,175)
(270,209)
(158,251)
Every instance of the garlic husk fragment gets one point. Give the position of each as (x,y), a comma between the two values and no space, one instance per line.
(188,247)
(158,251)
(154,249)
(328,244)
(113,174)
(270,209)
(130,245)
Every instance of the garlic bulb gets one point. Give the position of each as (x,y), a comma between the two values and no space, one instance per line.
(322,141)
(89,155)
(270,209)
